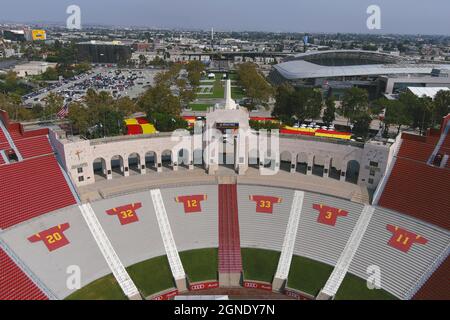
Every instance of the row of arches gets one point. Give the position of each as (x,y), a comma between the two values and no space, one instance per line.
(319,166)
(301,163)
(137,163)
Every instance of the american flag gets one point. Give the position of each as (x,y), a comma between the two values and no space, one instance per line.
(63,112)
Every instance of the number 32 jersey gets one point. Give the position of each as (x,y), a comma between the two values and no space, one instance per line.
(127,213)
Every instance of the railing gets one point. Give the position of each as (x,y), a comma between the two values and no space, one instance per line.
(107,250)
(166,233)
(289,239)
(342,265)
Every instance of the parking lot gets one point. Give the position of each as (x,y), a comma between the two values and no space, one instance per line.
(118,82)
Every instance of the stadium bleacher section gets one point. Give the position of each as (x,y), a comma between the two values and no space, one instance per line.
(110,255)
(416,188)
(193,230)
(402,261)
(436,288)
(55,267)
(34,146)
(322,241)
(263,230)
(14,283)
(137,241)
(30,188)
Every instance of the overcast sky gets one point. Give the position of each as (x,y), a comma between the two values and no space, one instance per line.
(398,16)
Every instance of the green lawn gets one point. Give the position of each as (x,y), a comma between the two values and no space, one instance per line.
(355,288)
(201,264)
(152,276)
(199,106)
(218,90)
(259,264)
(308,275)
(105,288)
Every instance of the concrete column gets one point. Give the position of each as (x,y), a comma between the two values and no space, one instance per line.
(293,163)
(108,169)
(126,167)
(343,171)
(310,164)
(158,162)
(327,168)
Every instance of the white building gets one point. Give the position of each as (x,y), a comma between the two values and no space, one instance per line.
(32,68)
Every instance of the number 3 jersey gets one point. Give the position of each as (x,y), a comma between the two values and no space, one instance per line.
(127,213)
(53,238)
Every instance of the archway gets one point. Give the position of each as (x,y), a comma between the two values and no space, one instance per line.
(166,159)
(99,166)
(334,172)
(183,158)
(198,158)
(253,159)
(302,162)
(318,166)
(352,173)
(285,161)
(134,163)
(150,160)
(117,165)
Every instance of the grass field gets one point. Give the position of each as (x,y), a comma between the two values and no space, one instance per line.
(152,276)
(218,90)
(105,288)
(355,288)
(201,264)
(259,264)
(199,106)
(308,275)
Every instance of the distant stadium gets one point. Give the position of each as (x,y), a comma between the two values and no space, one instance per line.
(135,217)
(379,73)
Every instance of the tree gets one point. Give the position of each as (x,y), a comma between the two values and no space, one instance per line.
(53,103)
(355,103)
(283,106)
(255,85)
(396,114)
(329,112)
(441,106)
(79,117)
(159,99)
(195,69)
(167,123)
(361,124)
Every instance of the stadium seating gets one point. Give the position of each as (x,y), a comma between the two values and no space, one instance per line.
(14,283)
(193,230)
(34,146)
(437,286)
(401,271)
(259,230)
(230,260)
(322,242)
(30,188)
(419,190)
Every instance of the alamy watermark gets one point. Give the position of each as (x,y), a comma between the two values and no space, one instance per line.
(73,21)
(374,20)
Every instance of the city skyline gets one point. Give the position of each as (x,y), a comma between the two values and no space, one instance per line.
(348,16)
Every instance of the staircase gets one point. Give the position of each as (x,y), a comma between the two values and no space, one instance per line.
(230,260)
